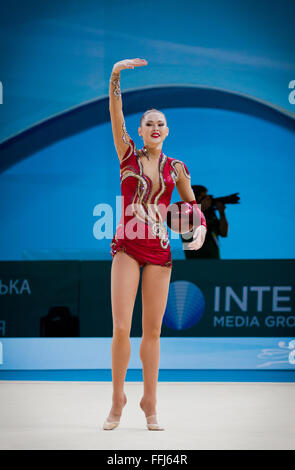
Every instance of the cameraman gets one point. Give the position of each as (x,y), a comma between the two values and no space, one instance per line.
(215,226)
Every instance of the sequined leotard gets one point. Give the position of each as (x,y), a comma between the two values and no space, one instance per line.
(150,244)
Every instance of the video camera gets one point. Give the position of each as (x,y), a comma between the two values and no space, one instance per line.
(231,199)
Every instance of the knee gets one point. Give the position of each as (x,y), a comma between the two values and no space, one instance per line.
(151,333)
(121,332)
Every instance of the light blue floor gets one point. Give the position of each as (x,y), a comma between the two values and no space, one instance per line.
(134,375)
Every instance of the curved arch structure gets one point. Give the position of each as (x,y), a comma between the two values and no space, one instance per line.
(94,113)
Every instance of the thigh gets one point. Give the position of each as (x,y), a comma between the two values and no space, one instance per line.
(154,288)
(125,276)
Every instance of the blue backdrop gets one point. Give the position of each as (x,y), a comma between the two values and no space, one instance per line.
(57,165)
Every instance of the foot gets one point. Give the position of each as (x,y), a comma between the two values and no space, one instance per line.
(149,410)
(113,420)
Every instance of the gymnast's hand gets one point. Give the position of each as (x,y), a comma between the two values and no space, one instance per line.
(198,238)
(128,64)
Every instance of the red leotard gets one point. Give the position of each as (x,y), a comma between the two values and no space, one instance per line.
(152,246)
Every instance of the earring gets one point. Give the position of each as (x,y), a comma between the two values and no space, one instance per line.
(146,152)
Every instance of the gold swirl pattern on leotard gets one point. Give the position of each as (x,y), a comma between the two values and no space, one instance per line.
(141,181)
(162,228)
(175,175)
(140,153)
(140,194)
(158,227)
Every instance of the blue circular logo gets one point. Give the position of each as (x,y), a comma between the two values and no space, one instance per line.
(185,305)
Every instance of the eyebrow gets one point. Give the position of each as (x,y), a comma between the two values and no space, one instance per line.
(159,120)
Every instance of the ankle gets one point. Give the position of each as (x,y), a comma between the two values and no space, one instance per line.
(118,396)
(148,405)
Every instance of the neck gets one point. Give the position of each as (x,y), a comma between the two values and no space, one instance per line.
(153,153)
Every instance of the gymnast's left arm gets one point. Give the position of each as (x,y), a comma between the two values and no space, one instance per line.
(183,184)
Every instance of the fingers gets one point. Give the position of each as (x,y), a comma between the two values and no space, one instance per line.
(198,233)
(129,64)
(196,245)
(198,241)
(138,62)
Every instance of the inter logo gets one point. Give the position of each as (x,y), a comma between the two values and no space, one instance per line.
(185,305)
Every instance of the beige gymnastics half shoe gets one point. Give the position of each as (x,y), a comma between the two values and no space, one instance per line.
(109,425)
(153,426)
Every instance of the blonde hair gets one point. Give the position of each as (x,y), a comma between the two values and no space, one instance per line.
(149,111)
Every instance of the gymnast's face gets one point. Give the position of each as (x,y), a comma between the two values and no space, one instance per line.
(153,129)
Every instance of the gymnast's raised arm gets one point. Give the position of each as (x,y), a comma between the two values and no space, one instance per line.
(120,134)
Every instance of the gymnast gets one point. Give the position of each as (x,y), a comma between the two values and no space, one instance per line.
(148,178)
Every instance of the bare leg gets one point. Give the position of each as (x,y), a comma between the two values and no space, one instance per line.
(155,288)
(125,276)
